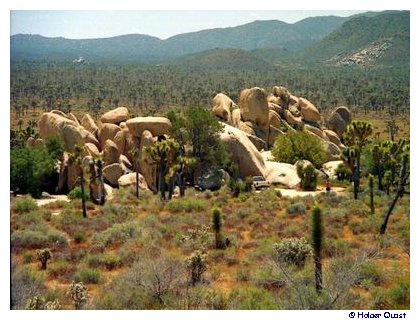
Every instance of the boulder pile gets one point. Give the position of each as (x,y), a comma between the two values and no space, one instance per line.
(111,139)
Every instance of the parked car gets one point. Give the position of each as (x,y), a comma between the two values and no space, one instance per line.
(259,182)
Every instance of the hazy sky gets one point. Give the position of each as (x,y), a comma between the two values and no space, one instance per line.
(162,24)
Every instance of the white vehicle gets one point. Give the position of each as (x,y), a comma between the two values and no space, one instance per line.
(259,182)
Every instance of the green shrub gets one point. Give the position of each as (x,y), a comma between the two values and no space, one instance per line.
(293,251)
(79,236)
(252,298)
(299,145)
(63,269)
(296,208)
(118,233)
(36,239)
(371,273)
(308,176)
(27,257)
(24,205)
(76,193)
(187,205)
(236,187)
(109,262)
(25,284)
(342,172)
(87,276)
(399,295)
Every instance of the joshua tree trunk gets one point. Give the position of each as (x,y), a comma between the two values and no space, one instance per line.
(372,201)
(82,187)
(400,192)
(317,239)
(101,185)
(137,184)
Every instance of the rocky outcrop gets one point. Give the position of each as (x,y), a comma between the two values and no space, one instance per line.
(158,126)
(283,174)
(89,124)
(107,132)
(129,180)
(254,106)
(112,173)
(331,166)
(333,137)
(115,116)
(71,136)
(242,152)
(222,106)
(309,112)
(110,153)
(147,166)
(50,124)
(339,119)
(92,150)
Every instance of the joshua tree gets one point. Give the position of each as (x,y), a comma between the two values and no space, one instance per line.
(317,239)
(179,170)
(99,167)
(404,175)
(43,256)
(356,136)
(372,202)
(164,154)
(217,227)
(76,158)
(135,153)
(392,128)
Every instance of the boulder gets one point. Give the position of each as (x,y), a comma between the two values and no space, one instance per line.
(333,137)
(274,119)
(333,151)
(125,164)
(72,176)
(88,137)
(284,174)
(295,110)
(339,119)
(89,124)
(254,106)
(129,180)
(272,99)
(92,150)
(246,127)
(131,142)
(147,166)
(112,173)
(243,152)
(236,118)
(71,116)
(283,94)
(60,113)
(108,131)
(109,191)
(71,136)
(293,100)
(222,106)
(267,156)
(276,108)
(309,111)
(316,131)
(110,153)
(330,167)
(120,140)
(50,124)
(260,144)
(292,119)
(274,133)
(123,125)
(86,161)
(158,126)
(115,116)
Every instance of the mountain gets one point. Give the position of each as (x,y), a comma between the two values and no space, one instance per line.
(222,59)
(143,48)
(379,38)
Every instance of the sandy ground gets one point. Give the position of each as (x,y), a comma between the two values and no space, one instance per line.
(296,193)
(43,202)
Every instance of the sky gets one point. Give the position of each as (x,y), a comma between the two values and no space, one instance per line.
(161,24)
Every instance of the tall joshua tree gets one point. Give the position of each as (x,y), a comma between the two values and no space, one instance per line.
(217,228)
(76,158)
(356,136)
(317,240)
(135,153)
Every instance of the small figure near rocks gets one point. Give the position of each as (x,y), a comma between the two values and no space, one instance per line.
(328,185)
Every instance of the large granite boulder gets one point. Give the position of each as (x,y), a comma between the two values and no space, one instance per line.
(254,106)
(108,131)
(158,126)
(110,153)
(309,112)
(112,173)
(129,180)
(50,124)
(89,124)
(115,116)
(222,106)
(284,174)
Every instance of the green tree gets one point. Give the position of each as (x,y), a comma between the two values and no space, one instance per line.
(76,158)
(356,136)
(299,145)
(217,228)
(308,176)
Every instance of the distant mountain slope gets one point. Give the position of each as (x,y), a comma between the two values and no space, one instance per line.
(362,33)
(222,59)
(143,48)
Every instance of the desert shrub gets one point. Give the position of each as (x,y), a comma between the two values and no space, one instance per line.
(115,209)
(216,300)
(370,273)
(43,256)
(292,251)
(118,233)
(79,236)
(308,176)
(299,145)
(36,239)
(355,207)
(25,284)
(342,172)
(243,273)
(399,295)
(109,262)
(61,269)
(268,277)
(86,275)
(236,187)
(296,208)
(29,221)
(24,205)
(196,239)
(39,303)
(335,247)
(187,205)
(252,298)
(27,257)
